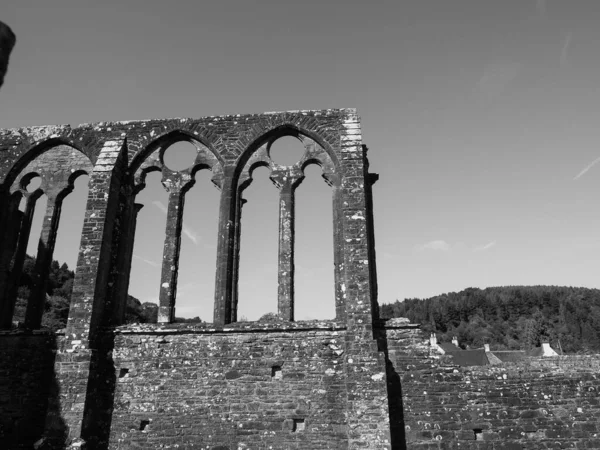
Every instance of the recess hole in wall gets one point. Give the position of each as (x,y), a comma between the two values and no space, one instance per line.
(286,151)
(276,373)
(124,371)
(180,155)
(144,424)
(478,432)
(298,425)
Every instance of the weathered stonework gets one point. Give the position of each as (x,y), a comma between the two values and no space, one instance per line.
(283,384)
(354,382)
(537,403)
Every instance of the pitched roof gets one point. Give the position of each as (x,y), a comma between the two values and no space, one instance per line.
(470,357)
(448,347)
(509,355)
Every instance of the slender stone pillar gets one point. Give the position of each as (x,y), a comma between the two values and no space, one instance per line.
(123,269)
(170,263)
(225,247)
(7,251)
(20,254)
(286,180)
(338,249)
(236,258)
(37,297)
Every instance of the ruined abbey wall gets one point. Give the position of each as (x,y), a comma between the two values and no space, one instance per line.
(316,385)
(353,382)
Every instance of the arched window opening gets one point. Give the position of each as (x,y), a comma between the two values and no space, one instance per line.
(32,183)
(25,282)
(314,270)
(196,280)
(48,281)
(66,250)
(286,151)
(36,225)
(69,232)
(259,242)
(143,293)
(180,155)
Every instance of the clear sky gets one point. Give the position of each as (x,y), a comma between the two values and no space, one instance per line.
(481,118)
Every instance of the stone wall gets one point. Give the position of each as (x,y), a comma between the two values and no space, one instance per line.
(101,398)
(27,382)
(535,404)
(239,388)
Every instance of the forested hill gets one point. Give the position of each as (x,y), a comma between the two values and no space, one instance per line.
(510,317)
(58,298)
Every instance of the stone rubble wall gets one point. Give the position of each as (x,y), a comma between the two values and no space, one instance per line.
(26,382)
(230,389)
(534,404)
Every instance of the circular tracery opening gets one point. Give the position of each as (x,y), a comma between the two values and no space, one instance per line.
(286,151)
(31,182)
(180,155)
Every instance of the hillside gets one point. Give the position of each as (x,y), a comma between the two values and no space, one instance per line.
(58,297)
(510,317)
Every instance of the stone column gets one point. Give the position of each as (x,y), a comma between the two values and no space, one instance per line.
(338,246)
(123,263)
(76,389)
(37,297)
(10,236)
(176,185)
(368,409)
(225,247)
(236,258)
(286,180)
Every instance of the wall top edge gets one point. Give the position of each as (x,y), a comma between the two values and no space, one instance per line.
(227,117)
(238,327)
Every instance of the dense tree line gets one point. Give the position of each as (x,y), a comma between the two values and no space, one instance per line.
(510,317)
(58,298)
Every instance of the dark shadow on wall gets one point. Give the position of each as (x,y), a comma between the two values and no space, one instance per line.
(99,404)
(394,391)
(29,391)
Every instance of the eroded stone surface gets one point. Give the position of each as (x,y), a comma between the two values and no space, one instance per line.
(201,385)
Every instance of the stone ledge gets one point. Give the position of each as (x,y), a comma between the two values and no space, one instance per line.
(27,332)
(395,324)
(237,327)
(46,129)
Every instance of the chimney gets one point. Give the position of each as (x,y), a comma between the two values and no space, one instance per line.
(486,347)
(433,340)
(455,340)
(547,350)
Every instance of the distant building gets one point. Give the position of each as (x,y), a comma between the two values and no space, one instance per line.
(485,356)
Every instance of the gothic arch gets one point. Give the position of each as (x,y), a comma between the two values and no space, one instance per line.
(267,136)
(34,151)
